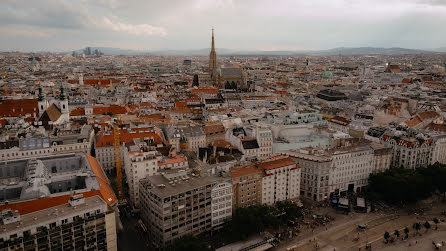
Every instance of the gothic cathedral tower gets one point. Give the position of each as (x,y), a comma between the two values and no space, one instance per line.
(212,56)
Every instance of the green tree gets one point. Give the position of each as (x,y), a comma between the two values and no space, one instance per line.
(397,233)
(436,221)
(406,231)
(427,225)
(188,243)
(386,236)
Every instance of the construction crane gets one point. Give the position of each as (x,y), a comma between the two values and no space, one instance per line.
(117,141)
(5,86)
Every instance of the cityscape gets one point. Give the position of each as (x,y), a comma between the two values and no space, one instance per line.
(209,140)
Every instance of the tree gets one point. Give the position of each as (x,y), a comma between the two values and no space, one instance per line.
(189,243)
(386,236)
(397,233)
(406,231)
(416,226)
(436,221)
(427,225)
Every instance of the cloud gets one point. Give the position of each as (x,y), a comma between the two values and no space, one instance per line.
(139,29)
(44,13)
(28,33)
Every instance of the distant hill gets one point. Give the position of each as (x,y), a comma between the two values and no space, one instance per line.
(229,52)
(369,50)
(441,49)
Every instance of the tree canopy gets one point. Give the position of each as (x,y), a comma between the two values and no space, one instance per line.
(256,219)
(399,185)
(188,243)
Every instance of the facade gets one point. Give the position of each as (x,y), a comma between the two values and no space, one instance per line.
(221,204)
(281,180)
(105,151)
(265,141)
(329,172)
(174,204)
(246,186)
(138,165)
(67,141)
(77,224)
(439,151)
(382,157)
(409,150)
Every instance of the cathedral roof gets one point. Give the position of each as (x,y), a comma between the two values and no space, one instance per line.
(229,72)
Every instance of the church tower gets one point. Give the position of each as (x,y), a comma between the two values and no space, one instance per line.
(42,102)
(63,101)
(212,56)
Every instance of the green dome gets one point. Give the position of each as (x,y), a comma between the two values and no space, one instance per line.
(327,75)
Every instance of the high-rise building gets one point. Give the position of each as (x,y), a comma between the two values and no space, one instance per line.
(177,203)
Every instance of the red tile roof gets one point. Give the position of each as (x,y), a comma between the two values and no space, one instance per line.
(276,163)
(115,109)
(126,137)
(19,107)
(78,111)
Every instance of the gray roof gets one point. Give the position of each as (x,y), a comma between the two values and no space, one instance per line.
(46,177)
(163,188)
(184,131)
(231,72)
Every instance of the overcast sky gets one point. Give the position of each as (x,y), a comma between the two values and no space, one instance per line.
(55,25)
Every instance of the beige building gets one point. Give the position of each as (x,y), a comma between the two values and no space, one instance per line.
(382,157)
(246,186)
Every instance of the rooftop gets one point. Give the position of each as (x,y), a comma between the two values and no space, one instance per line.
(35,184)
(163,187)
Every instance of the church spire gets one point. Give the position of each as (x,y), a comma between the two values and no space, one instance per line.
(212,55)
(213,44)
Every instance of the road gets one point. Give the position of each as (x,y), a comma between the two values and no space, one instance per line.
(343,234)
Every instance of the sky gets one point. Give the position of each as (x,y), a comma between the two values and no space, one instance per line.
(65,25)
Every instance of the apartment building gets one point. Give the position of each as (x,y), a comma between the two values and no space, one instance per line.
(138,165)
(410,149)
(265,140)
(246,186)
(105,150)
(439,151)
(177,203)
(281,179)
(328,172)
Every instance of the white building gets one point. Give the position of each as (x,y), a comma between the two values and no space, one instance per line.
(221,203)
(281,179)
(138,165)
(329,172)
(439,152)
(409,149)
(265,141)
